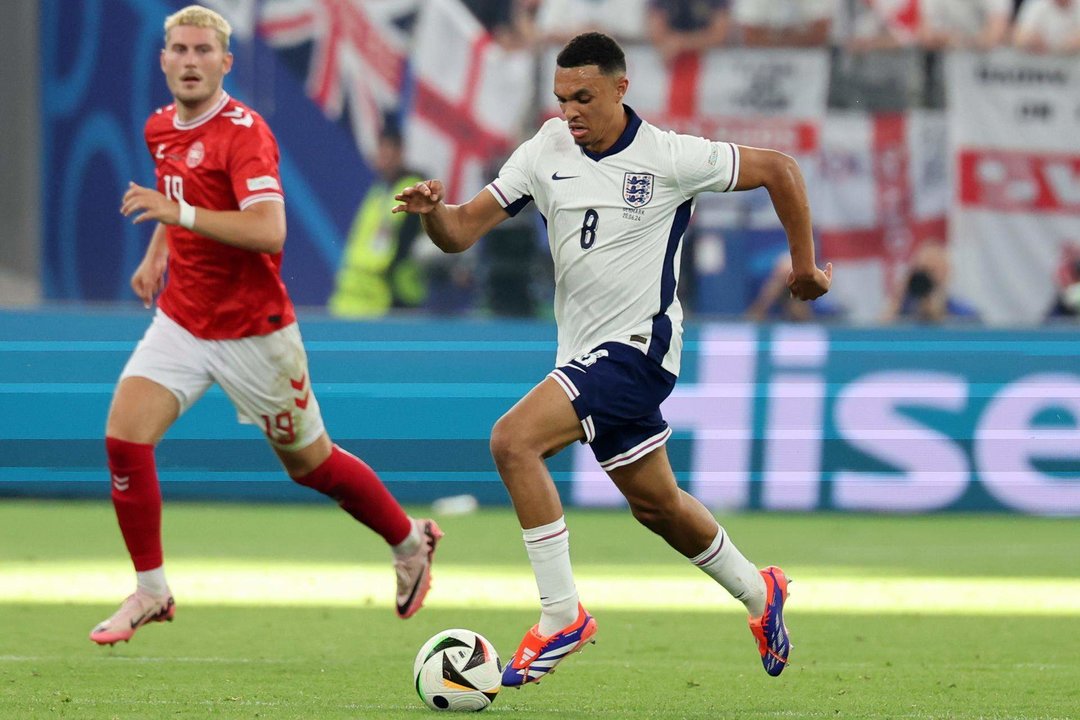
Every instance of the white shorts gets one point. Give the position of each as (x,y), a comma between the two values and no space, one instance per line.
(265,376)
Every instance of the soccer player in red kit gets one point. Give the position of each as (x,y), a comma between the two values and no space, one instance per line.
(223,316)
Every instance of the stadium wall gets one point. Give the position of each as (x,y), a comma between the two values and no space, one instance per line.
(771,417)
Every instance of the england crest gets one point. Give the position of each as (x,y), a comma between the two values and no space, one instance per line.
(637,189)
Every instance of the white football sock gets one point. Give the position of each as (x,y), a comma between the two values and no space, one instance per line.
(153,581)
(411,542)
(723,562)
(549,552)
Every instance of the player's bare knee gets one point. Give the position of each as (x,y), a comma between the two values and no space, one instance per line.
(121,427)
(506,445)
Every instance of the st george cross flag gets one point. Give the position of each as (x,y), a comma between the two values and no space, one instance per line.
(470,101)
(357,59)
(1015,127)
(882,191)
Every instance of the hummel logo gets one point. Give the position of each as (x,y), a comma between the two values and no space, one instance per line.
(238,117)
(556,176)
(121,483)
(162,155)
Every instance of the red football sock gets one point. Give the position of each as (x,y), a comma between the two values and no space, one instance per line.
(136,497)
(359,491)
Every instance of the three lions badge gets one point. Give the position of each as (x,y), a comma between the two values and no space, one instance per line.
(637,189)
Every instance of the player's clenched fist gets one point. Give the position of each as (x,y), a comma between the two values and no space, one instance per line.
(811,287)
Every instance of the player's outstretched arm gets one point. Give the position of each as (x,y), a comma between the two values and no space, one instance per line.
(780,175)
(149,278)
(258,228)
(453,228)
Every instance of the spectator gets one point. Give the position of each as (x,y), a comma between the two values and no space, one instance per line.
(871,25)
(558,21)
(686,26)
(379,268)
(1048,26)
(524,17)
(494,15)
(784,23)
(1067,301)
(955,24)
(923,295)
(774,300)
(508,21)
(515,267)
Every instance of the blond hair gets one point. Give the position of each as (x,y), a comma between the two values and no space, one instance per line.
(198,16)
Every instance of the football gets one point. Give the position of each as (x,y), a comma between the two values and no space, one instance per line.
(457,670)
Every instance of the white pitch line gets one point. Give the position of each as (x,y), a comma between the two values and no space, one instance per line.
(153,660)
(283,584)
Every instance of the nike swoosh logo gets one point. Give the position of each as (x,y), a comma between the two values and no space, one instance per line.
(150,614)
(416,586)
(557,176)
(408,601)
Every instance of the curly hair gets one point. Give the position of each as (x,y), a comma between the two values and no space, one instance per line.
(593,48)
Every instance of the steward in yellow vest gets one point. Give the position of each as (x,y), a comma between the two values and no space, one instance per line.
(379,270)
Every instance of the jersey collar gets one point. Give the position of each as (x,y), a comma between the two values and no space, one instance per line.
(633,122)
(196,122)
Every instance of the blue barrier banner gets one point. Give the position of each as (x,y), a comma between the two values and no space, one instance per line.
(775,417)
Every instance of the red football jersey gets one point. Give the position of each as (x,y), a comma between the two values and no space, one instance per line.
(226,159)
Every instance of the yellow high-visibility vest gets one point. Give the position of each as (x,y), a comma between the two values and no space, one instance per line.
(377,272)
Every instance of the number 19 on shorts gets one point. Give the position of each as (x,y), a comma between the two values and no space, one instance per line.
(280,428)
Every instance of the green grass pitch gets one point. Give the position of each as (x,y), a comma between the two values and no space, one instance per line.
(286,612)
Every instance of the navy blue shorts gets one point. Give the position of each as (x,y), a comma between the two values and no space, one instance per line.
(616,391)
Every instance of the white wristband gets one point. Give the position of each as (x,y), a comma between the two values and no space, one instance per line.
(187,215)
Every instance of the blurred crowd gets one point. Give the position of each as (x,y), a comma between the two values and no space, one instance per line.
(676,26)
(386,269)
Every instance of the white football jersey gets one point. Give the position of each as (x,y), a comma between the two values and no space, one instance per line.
(615,222)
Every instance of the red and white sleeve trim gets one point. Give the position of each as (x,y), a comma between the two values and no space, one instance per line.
(261,197)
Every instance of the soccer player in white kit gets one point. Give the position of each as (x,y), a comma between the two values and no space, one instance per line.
(616,194)
(224,316)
